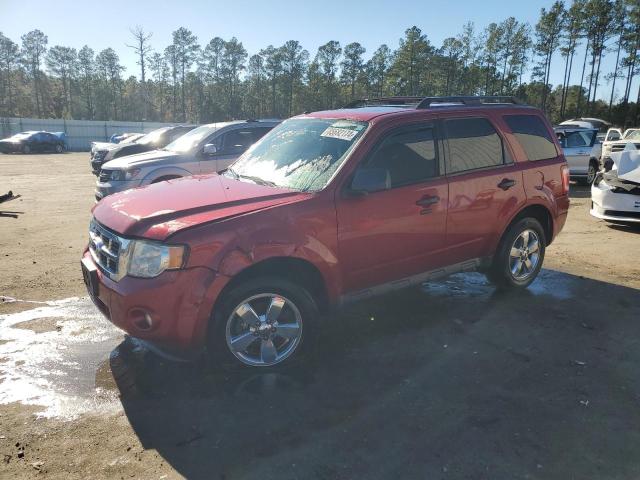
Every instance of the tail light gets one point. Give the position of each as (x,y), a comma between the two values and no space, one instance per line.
(565,179)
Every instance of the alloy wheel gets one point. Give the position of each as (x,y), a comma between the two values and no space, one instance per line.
(524,255)
(264,330)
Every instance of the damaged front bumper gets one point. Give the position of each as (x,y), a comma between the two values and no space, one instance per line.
(614,199)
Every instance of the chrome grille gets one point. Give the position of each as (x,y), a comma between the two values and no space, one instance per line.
(106,248)
(619,148)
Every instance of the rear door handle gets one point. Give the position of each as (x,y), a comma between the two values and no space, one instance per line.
(428,200)
(506,183)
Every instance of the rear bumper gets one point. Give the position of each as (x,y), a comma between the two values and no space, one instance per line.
(562,205)
(178,304)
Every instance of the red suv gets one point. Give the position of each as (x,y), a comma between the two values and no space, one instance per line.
(329,207)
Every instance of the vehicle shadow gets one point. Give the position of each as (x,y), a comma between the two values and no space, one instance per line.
(631,228)
(452,380)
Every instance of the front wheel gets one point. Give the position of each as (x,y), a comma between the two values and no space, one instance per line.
(264,322)
(59,148)
(26,149)
(519,257)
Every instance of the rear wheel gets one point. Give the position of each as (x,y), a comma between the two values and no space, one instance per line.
(264,322)
(26,149)
(520,254)
(59,148)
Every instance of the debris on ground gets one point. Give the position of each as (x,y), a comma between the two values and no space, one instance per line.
(8,196)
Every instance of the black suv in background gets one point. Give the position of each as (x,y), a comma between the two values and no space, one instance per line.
(154,140)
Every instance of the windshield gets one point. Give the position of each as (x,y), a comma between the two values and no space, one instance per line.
(190,139)
(132,138)
(152,137)
(301,154)
(20,136)
(634,135)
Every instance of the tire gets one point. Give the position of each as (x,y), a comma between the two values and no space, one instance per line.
(268,343)
(26,149)
(59,148)
(509,270)
(591,172)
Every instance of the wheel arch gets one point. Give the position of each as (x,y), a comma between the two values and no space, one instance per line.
(540,213)
(155,175)
(295,269)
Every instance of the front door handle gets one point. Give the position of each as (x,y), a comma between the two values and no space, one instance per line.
(506,183)
(428,200)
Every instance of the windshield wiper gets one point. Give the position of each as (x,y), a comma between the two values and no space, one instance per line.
(258,180)
(232,172)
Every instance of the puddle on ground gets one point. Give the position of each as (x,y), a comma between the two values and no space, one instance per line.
(51,355)
(68,359)
(474,284)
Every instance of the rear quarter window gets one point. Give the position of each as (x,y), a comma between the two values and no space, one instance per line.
(533,135)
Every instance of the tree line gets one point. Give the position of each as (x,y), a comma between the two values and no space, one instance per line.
(219,80)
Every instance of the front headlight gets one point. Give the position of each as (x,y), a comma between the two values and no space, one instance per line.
(121,175)
(150,259)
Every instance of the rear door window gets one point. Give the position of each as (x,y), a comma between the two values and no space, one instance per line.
(533,135)
(473,144)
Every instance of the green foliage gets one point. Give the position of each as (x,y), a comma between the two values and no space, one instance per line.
(220,80)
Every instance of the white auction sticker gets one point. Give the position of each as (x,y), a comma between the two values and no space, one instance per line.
(340,133)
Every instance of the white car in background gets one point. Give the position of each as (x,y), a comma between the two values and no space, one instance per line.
(615,194)
(616,141)
(586,122)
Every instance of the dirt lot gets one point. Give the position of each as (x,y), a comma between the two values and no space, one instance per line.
(452,381)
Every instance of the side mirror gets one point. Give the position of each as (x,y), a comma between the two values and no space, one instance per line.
(368,180)
(210,149)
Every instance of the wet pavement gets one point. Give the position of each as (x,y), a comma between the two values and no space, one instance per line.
(455,380)
(53,356)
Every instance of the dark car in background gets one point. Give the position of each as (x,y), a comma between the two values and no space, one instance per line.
(154,140)
(31,142)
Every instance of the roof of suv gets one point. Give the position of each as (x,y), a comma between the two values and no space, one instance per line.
(368,109)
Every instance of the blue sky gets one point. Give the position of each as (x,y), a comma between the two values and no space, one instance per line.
(260,23)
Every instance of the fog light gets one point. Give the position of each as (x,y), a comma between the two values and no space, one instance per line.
(141,319)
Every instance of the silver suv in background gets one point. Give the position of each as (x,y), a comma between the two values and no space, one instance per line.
(154,140)
(206,149)
(582,150)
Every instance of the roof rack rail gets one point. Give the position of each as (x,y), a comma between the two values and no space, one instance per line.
(427,102)
(384,101)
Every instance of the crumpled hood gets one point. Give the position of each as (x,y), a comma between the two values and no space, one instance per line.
(162,209)
(140,159)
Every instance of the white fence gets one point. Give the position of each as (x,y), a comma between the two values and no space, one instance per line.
(80,133)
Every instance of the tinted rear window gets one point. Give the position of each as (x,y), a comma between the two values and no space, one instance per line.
(533,135)
(473,144)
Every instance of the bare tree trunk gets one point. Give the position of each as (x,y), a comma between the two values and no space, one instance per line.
(584,67)
(615,74)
